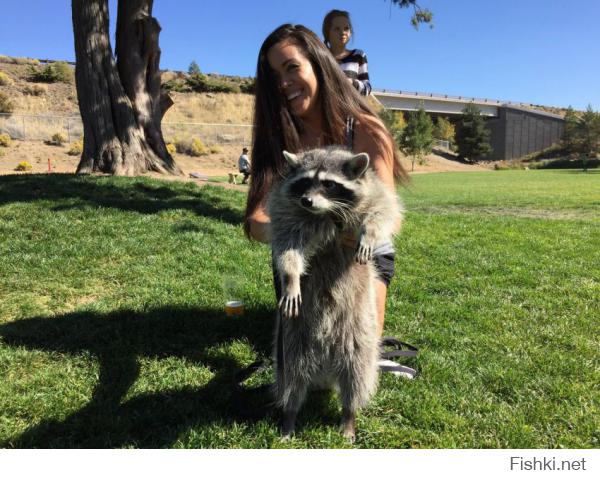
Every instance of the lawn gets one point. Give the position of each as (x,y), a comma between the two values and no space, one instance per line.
(112,331)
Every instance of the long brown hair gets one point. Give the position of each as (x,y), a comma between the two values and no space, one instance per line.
(276,129)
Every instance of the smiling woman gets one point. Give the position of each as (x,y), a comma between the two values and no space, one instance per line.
(304,101)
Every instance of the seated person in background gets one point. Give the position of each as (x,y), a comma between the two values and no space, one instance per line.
(244,165)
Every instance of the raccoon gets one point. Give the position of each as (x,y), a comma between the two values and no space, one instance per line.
(327,334)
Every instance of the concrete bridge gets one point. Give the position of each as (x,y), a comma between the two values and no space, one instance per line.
(516,129)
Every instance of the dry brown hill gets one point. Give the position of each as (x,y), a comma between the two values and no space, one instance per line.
(189,109)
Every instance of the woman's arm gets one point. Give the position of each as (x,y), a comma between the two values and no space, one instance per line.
(260,225)
(370,138)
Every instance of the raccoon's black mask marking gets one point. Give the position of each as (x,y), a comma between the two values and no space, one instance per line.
(328,188)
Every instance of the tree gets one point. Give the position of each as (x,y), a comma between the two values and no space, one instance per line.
(420,15)
(121,102)
(472,135)
(444,130)
(394,122)
(569,137)
(417,138)
(588,133)
(194,69)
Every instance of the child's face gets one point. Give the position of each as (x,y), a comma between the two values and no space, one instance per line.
(340,32)
(297,79)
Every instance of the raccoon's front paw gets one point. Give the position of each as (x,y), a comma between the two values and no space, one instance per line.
(289,305)
(364,250)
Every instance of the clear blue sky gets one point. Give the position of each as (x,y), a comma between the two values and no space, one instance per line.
(536,51)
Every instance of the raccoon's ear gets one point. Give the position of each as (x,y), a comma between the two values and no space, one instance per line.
(291,159)
(357,165)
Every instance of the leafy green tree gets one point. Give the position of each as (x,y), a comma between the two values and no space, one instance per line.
(416,139)
(472,135)
(444,130)
(194,69)
(394,122)
(569,137)
(588,133)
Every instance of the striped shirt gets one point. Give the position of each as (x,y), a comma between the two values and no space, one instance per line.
(354,65)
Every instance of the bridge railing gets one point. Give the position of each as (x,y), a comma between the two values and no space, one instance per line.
(441,96)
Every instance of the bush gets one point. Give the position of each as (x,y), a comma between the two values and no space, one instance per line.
(52,73)
(58,139)
(215,149)
(76,148)
(176,84)
(5,79)
(193,147)
(6,106)
(248,86)
(198,148)
(35,89)
(201,83)
(24,166)
(4,139)
(171,149)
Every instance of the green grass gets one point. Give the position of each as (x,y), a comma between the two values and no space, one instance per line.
(112,332)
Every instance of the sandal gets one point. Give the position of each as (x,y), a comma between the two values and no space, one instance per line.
(401,349)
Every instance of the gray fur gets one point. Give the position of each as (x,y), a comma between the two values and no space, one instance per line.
(328,314)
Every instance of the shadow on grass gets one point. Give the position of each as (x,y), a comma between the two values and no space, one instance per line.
(117,340)
(141,195)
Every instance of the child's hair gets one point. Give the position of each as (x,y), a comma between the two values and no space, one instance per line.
(276,129)
(329,19)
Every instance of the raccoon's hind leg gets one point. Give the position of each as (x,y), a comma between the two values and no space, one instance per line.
(295,397)
(348,425)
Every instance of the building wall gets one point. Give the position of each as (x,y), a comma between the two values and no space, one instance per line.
(516,133)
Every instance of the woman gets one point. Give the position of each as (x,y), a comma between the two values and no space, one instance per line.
(337,30)
(304,101)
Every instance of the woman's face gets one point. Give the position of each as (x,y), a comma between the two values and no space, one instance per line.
(296,77)
(339,32)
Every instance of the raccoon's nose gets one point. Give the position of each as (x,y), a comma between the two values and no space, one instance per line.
(306,201)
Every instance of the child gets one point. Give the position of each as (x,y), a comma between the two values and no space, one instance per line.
(337,30)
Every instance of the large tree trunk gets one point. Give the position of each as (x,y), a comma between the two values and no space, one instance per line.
(121,109)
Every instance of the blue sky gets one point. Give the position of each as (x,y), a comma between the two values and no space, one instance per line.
(536,51)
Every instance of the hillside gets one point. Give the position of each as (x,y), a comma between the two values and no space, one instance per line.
(180,122)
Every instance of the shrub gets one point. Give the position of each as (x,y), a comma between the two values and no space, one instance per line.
(5,79)
(176,84)
(248,86)
(76,148)
(52,73)
(215,149)
(201,83)
(4,139)
(171,148)
(6,106)
(58,139)
(24,166)
(35,89)
(193,147)
(198,148)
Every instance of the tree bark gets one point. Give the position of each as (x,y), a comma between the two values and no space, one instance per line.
(121,108)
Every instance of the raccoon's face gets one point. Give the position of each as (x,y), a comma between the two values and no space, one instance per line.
(320,189)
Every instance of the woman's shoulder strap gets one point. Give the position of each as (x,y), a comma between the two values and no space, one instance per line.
(350,133)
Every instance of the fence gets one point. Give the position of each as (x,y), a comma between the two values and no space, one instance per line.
(42,127)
